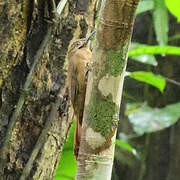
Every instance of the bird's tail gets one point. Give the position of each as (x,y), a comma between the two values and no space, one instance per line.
(77,136)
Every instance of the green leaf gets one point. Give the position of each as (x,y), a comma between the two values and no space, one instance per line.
(145,119)
(160,19)
(70,139)
(173,7)
(67,165)
(146,59)
(148,77)
(126,146)
(145,49)
(144,6)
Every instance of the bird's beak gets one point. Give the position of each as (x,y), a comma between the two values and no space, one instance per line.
(89,36)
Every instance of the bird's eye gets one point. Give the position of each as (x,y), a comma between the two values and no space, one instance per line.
(77,44)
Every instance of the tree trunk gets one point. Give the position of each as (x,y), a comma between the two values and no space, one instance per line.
(104,89)
(34,110)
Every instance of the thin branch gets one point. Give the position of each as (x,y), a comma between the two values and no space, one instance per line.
(172,81)
(51,117)
(61,6)
(5,146)
(42,137)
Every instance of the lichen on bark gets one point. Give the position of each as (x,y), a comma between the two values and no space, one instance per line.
(115,61)
(101,113)
(12,35)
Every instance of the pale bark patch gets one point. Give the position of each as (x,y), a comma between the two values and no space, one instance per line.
(97,170)
(103,168)
(94,139)
(110,85)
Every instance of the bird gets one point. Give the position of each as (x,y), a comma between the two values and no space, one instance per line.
(79,55)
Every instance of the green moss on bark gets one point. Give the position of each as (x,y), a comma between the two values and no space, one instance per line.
(12,37)
(102,113)
(115,62)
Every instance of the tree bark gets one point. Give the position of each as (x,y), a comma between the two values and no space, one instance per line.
(104,89)
(34,111)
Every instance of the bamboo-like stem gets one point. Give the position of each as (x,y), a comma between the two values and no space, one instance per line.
(104,89)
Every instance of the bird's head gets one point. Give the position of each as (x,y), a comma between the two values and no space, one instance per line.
(79,43)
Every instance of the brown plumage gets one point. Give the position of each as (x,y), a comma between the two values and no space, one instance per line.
(78,56)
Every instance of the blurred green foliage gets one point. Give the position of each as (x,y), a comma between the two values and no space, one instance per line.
(145,6)
(148,77)
(173,6)
(160,20)
(154,50)
(125,146)
(145,119)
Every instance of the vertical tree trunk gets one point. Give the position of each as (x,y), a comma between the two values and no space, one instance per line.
(34,111)
(104,89)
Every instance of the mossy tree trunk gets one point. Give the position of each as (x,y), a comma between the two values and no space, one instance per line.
(34,110)
(104,89)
